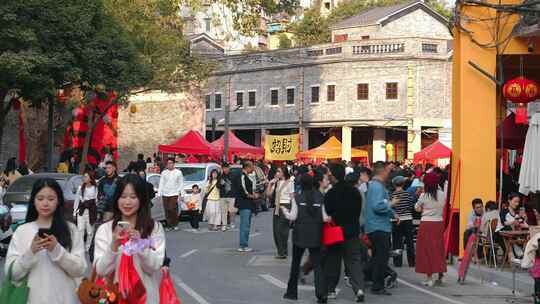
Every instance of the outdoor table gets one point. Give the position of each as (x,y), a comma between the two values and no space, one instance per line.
(510,238)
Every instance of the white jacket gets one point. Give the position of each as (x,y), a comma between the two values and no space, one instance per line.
(148,264)
(171,183)
(530,252)
(53,277)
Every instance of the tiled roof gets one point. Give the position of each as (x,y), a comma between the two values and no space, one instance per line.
(371,16)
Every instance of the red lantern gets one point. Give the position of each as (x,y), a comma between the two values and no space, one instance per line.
(521,90)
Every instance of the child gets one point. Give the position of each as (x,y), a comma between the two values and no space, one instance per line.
(531,260)
(194,207)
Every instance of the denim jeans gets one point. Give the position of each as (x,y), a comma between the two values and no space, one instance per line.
(245,227)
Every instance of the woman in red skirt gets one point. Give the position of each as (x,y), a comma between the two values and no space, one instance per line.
(429,243)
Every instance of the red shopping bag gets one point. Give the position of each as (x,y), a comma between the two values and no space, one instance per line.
(332,234)
(167,292)
(131,287)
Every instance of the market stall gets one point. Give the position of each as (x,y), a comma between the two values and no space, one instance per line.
(433,153)
(331,149)
(192,143)
(238,148)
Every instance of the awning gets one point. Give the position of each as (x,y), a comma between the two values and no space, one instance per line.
(191,143)
(331,149)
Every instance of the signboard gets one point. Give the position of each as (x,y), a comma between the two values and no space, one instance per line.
(281,147)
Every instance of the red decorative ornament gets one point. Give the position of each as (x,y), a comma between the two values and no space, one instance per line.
(521,90)
(17,105)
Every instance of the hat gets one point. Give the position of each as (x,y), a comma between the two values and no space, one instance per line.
(417,183)
(431,179)
(398,180)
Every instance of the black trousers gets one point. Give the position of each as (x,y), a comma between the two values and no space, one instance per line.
(401,232)
(379,258)
(315,258)
(281,229)
(353,254)
(537,287)
(194,218)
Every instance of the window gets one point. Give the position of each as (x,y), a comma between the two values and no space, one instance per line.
(251,98)
(207,102)
(391,90)
(365,37)
(207,24)
(331,93)
(315,94)
(429,48)
(239,99)
(362,91)
(274,97)
(290,96)
(217,101)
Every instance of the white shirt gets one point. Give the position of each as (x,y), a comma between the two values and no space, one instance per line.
(171,183)
(90,193)
(147,264)
(284,190)
(432,209)
(52,276)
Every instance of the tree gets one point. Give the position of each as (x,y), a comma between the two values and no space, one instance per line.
(284,41)
(312,29)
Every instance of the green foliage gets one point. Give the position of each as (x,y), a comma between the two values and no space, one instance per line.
(284,41)
(315,29)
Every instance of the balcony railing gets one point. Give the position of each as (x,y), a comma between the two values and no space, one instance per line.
(388,48)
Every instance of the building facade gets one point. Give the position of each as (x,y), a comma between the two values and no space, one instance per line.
(383,85)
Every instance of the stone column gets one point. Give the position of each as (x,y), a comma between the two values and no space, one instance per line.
(304,139)
(379,145)
(346,143)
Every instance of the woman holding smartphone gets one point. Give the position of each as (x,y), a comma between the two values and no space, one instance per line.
(47,249)
(84,207)
(131,221)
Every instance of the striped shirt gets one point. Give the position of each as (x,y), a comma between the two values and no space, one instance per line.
(405,205)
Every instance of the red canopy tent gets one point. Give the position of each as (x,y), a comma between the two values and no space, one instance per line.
(433,152)
(238,147)
(191,143)
(513,134)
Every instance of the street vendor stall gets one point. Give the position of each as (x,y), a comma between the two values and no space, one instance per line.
(192,143)
(331,149)
(433,152)
(238,148)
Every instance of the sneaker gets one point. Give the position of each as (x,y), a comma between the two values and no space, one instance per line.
(332,295)
(290,297)
(322,300)
(176,228)
(439,281)
(381,292)
(168,229)
(360,296)
(247,249)
(232,226)
(224,228)
(347,281)
(428,283)
(280,257)
(241,249)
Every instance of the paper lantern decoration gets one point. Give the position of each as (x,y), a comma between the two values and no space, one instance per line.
(133,109)
(521,91)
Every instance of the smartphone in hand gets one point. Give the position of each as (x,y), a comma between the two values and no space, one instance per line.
(43,232)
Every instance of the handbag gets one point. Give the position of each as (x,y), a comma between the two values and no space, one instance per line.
(13,294)
(167,292)
(332,234)
(92,291)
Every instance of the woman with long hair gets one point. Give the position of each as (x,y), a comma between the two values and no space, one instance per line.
(281,189)
(132,222)
(212,210)
(47,250)
(85,208)
(11,172)
(308,215)
(430,256)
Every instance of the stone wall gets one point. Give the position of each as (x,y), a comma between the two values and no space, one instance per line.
(160,119)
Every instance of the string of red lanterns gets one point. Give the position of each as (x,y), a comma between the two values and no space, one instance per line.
(521,91)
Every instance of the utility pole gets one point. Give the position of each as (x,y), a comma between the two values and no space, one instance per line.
(227,118)
(301,112)
(50,135)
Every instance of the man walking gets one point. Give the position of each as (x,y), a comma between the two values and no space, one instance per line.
(378,226)
(227,198)
(106,189)
(344,204)
(170,189)
(245,202)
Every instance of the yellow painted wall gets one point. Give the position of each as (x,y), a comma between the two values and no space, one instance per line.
(474,109)
(273,40)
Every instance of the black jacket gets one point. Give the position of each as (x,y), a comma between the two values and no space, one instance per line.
(243,186)
(344,204)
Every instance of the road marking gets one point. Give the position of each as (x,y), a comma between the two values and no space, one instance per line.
(279,284)
(433,294)
(185,255)
(188,290)
(252,260)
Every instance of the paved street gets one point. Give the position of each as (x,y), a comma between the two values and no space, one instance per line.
(208,270)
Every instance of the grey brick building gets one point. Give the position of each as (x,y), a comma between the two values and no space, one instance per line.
(383,84)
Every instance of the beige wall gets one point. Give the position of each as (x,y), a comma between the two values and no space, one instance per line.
(160,119)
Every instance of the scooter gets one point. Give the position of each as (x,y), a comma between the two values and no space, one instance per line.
(7,228)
